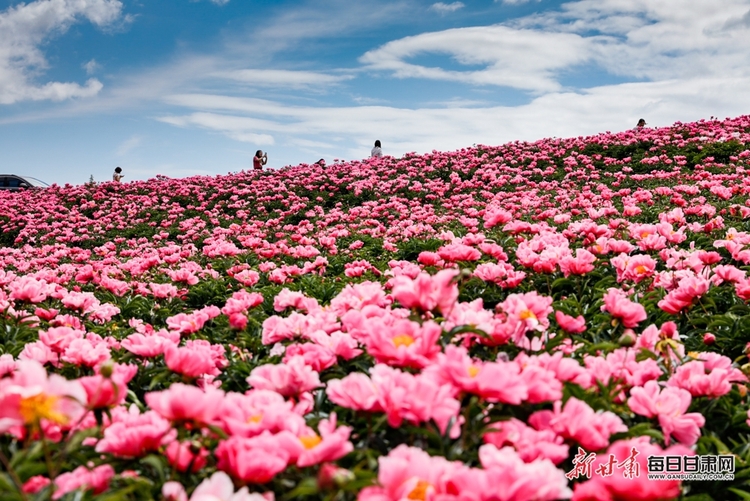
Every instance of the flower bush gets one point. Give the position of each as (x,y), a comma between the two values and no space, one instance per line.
(486,324)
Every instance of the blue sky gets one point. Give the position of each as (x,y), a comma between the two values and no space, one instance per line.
(184,87)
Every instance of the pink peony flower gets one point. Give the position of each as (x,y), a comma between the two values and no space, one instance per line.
(577,421)
(427,292)
(133,434)
(619,306)
(402,343)
(669,406)
(183,457)
(530,444)
(181,402)
(258,459)
(289,379)
(31,397)
(96,480)
(332,443)
(572,325)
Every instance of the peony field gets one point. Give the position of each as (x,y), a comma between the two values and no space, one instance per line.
(560,319)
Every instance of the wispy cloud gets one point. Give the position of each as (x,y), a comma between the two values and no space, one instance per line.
(447,8)
(562,114)
(91,66)
(23,30)
(519,58)
(129,144)
(281,78)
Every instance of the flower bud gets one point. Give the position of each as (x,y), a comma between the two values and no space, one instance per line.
(627,339)
(106,369)
(709,338)
(331,475)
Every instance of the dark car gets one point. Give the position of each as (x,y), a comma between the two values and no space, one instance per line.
(13,182)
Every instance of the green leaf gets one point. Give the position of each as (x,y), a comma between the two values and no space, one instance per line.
(742,494)
(307,487)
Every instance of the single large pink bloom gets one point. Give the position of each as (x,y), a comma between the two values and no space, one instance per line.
(181,402)
(459,252)
(316,356)
(572,325)
(410,473)
(219,487)
(712,376)
(31,397)
(526,312)
(258,459)
(355,391)
(133,434)
(29,289)
(508,478)
(577,421)
(96,480)
(192,362)
(530,444)
(403,343)
(669,405)
(427,292)
(183,458)
(257,411)
(111,390)
(332,444)
(618,305)
(289,379)
(150,345)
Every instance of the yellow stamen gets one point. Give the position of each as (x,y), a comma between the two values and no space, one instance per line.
(41,406)
(473,370)
(640,269)
(310,442)
(527,314)
(420,491)
(255,419)
(403,340)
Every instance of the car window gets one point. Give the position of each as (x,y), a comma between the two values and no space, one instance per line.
(36,182)
(3,181)
(14,182)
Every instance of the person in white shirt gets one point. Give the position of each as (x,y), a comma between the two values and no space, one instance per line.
(377,151)
(118,175)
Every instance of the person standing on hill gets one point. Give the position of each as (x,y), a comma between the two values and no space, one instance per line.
(377,150)
(641,124)
(117,175)
(259,160)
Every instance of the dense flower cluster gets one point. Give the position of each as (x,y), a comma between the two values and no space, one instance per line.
(478,325)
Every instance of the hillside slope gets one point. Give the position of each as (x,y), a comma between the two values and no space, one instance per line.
(315,331)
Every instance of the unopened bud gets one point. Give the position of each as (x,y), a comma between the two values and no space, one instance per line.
(331,475)
(627,339)
(106,369)
(709,338)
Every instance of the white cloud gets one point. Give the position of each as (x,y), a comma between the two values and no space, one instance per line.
(281,78)
(129,144)
(91,67)
(447,8)
(220,2)
(639,39)
(24,28)
(519,58)
(348,132)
